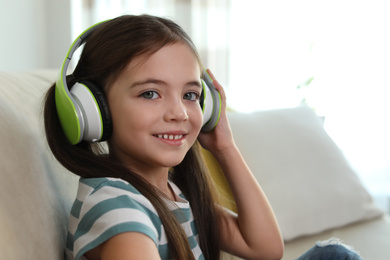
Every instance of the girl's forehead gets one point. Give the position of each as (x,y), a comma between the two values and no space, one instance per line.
(164,56)
(179,56)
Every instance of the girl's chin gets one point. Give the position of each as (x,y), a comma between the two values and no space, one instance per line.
(174,164)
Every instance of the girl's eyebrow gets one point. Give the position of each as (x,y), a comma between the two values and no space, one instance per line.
(161,82)
(147,81)
(195,83)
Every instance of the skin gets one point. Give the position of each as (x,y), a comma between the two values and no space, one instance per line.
(158,96)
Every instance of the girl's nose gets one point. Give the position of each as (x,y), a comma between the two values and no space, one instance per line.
(176,111)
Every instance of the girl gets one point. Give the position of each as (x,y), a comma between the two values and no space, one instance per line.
(149,196)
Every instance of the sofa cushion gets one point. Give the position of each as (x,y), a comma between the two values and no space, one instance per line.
(35,192)
(305,176)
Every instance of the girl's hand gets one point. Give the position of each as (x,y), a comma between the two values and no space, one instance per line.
(221,137)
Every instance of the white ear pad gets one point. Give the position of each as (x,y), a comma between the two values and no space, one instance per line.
(207,104)
(211,105)
(91,117)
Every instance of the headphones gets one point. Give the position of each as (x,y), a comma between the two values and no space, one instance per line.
(83,110)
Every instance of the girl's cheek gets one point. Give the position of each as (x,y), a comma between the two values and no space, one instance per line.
(199,119)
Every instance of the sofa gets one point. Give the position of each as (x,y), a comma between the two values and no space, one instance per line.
(314,192)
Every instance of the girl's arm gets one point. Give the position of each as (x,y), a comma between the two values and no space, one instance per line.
(127,245)
(253,233)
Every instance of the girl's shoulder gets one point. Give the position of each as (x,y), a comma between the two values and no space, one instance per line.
(105,207)
(105,183)
(97,192)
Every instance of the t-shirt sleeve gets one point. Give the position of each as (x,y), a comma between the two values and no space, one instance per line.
(111,210)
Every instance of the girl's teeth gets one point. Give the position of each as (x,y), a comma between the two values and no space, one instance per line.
(170,137)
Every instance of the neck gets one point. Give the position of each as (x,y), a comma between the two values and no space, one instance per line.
(158,177)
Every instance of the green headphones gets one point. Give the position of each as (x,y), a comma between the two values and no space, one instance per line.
(84,113)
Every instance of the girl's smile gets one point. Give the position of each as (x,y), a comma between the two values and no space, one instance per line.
(175,138)
(155,109)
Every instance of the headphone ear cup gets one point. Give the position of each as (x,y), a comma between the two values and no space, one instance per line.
(95,111)
(211,105)
(104,108)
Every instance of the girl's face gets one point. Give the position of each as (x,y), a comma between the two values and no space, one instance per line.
(155,108)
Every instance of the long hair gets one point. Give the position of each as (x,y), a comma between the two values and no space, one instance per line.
(106,53)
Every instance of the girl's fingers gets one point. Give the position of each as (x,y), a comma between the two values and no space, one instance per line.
(217,85)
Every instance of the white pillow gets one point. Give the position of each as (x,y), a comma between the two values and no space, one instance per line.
(305,176)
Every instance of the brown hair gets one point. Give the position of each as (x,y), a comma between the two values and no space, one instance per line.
(106,53)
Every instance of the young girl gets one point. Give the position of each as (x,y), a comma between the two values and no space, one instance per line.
(149,196)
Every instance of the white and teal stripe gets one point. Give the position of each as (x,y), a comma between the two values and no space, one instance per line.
(105,207)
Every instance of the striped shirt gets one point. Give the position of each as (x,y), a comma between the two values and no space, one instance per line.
(105,207)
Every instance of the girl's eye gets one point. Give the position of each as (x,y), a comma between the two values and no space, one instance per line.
(192,96)
(150,94)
